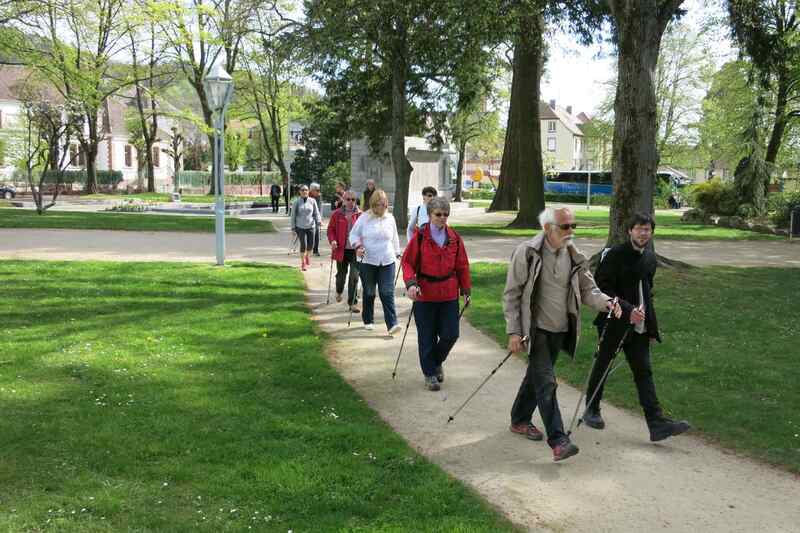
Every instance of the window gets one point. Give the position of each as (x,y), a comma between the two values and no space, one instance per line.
(156,156)
(551,127)
(128,155)
(76,157)
(551,144)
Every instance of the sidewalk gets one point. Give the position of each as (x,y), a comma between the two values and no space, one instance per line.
(619,482)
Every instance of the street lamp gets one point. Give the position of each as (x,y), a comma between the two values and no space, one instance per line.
(218,85)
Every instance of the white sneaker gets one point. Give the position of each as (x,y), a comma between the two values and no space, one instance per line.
(395,329)
(369,327)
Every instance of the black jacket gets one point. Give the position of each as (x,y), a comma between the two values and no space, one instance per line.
(618,274)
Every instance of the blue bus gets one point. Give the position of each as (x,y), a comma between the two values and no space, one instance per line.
(575,182)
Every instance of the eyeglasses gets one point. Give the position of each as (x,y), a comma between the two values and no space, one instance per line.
(440,215)
(349,199)
(565,227)
(428,195)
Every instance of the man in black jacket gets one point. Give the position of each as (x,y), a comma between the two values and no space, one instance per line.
(627,271)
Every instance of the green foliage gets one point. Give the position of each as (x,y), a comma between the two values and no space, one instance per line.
(781,206)
(236,144)
(477,194)
(109,178)
(715,197)
(338,172)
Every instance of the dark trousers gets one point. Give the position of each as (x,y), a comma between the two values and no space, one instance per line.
(316,239)
(383,277)
(275,203)
(637,352)
(538,388)
(437,332)
(306,237)
(343,268)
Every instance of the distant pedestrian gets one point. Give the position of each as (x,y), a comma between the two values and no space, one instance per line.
(305,217)
(315,194)
(435,270)
(275,195)
(374,237)
(339,227)
(338,197)
(370,188)
(419,216)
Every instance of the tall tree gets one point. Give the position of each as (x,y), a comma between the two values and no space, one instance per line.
(200,32)
(639,26)
(75,46)
(380,58)
(769,31)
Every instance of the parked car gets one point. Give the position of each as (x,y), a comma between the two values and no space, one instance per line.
(7,191)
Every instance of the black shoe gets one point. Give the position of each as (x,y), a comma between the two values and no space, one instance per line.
(593,419)
(440,373)
(662,428)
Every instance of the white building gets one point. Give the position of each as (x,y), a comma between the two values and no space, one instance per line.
(114,152)
(563,141)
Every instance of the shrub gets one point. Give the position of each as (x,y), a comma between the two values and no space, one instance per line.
(781,206)
(339,171)
(201,178)
(477,194)
(110,178)
(715,197)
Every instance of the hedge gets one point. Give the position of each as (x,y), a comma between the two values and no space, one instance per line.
(201,178)
(104,177)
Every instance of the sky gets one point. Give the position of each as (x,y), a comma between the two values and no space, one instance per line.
(575,74)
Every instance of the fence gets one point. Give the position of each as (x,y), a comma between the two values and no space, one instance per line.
(244,183)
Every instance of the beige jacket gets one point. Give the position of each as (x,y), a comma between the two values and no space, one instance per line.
(523,271)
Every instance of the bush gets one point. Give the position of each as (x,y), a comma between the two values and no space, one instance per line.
(781,205)
(201,178)
(110,178)
(477,194)
(337,172)
(715,197)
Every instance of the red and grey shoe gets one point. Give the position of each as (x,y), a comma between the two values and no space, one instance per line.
(529,430)
(564,449)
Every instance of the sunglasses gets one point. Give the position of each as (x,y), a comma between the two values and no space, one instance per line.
(565,227)
(440,214)
(349,199)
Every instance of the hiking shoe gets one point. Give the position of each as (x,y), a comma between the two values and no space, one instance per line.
(369,327)
(354,308)
(432,383)
(530,431)
(440,373)
(564,449)
(397,328)
(593,419)
(338,297)
(662,428)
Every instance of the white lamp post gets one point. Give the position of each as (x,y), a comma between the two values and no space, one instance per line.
(218,85)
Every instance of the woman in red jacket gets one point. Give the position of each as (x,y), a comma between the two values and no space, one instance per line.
(342,220)
(435,268)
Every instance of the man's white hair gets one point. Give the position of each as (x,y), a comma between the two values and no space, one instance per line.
(548,216)
(315,185)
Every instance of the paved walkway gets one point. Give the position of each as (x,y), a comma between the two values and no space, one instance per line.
(619,482)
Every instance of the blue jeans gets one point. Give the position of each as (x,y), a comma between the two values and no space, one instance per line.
(383,276)
(437,332)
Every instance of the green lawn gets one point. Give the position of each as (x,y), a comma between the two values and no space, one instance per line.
(165,197)
(593,224)
(728,363)
(178,397)
(19,218)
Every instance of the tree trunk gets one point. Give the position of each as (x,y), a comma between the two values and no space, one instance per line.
(640,25)
(779,128)
(529,168)
(90,153)
(462,149)
(506,196)
(150,168)
(402,168)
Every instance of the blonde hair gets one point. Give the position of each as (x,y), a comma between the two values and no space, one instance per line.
(378,195)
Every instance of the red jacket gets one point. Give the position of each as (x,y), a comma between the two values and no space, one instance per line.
(337,231)
(449,264)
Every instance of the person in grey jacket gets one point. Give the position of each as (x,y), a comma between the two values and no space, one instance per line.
(304,220)
(547,281)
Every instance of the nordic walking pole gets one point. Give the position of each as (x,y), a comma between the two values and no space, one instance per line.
(330,275)
(293,244)
(410,315)
(524,340)
(350,318)
(467,299)
(594,362)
